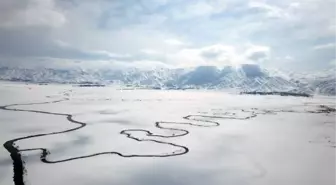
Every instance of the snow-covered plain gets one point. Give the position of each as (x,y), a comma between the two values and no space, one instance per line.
(283,140)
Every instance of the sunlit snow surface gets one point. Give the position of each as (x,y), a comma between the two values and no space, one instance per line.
(283,140)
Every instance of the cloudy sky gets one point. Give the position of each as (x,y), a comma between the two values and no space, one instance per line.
(289,34)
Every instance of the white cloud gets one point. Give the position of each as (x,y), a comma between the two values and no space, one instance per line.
(333,62)
(331,28)
(199,8)
(288,59)
(219,55)
(150,51)
(174,42)
(183,33)
(194,10)
(271,11)
(324,46)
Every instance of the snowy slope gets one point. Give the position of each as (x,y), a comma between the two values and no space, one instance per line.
(247,77)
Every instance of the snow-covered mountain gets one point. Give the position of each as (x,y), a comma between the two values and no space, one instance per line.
(247,77)
(322,83)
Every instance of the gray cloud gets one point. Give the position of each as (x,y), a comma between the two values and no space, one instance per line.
(259,55)
(36,42)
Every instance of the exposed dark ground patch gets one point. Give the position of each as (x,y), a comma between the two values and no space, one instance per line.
(278,93)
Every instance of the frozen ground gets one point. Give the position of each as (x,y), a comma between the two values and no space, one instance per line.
(149,137)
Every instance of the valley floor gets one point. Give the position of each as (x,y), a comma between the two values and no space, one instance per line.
(104,136)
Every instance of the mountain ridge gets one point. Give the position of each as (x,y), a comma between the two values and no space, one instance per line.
(243,78)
